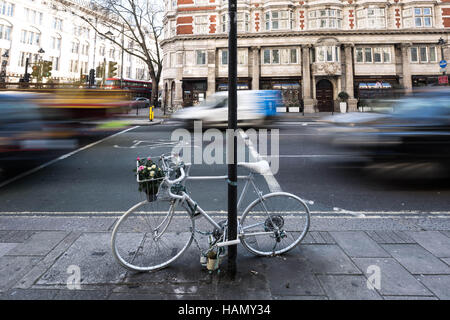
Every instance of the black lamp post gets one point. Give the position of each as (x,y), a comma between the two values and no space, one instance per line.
(441,42)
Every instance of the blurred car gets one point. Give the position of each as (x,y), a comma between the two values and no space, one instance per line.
(253,107)
(24,132)
(141,102)
(415,134)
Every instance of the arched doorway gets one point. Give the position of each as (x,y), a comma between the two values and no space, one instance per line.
(324,96)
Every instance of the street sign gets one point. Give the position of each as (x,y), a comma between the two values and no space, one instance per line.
(443,80)
(443,63)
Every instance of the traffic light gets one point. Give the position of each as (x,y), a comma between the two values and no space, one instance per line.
(36,71)
(91,77)
(112,69)
(47,68)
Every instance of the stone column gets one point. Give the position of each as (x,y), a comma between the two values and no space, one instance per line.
(308,102)
(349,83)
(406,72)
(256,71)
(211,85)
(178,96)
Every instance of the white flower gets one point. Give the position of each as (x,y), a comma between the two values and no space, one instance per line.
(149,168)
(153,166)
(152,173)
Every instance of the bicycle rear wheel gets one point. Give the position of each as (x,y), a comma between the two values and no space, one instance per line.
(151,235)
(274,224)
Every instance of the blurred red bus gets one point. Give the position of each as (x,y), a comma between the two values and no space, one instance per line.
(136,88)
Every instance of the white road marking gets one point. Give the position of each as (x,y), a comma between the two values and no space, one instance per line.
(272,182)
(65,156)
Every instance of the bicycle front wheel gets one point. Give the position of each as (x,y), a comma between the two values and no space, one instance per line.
(274,224)
(151,235)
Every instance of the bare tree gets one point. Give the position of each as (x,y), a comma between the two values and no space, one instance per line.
(130,21)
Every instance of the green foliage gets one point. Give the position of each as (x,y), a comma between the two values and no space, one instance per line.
(343,95)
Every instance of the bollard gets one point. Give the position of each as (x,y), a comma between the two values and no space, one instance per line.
(150,113)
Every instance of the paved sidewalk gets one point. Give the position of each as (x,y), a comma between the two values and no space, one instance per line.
(40,254)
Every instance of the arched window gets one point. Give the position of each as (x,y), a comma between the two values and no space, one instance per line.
(75,46)
(56,41)
(5,29)
(31,36)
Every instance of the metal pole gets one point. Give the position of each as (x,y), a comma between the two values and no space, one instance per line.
(26,69)
(232,145)
(121,63)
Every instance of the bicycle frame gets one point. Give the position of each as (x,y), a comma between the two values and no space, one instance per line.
(184,197)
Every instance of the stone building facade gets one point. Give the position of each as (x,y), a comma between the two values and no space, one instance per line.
(73,46)
(311,49)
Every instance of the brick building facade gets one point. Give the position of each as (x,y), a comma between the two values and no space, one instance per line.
(310,49)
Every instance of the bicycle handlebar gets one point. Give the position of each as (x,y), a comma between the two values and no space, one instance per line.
(164,158)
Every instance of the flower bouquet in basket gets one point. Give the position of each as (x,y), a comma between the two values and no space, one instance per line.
(149,177)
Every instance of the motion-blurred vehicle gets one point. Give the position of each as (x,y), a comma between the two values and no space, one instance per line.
(253,107)
(25,133)
(414,137)
(141,102)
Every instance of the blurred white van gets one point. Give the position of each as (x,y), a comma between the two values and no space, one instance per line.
(254,107)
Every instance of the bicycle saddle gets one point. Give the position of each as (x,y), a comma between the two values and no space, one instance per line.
(260,167)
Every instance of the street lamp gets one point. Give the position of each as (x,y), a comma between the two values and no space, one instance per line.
(41,53)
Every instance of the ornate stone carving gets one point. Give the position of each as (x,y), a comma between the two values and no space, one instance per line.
(326,68)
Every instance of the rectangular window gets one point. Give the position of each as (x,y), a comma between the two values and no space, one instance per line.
(414,56)
(284,56)
(293,56)
(242,57)
(266,56)
(368,54)
(329,53)
(359,55)
(224,57)
(377,55)
(422,17)
(201,57)
(423,54)
(276,56)
(386,55)
(432,53)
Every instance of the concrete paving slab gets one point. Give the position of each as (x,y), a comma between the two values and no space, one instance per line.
(395,280)
(416,259)
(13,268)
(30,294)
(85,223)
(409,298)
(31,277)
(291,277)
(300,297)
(358,244)
(438,284)
(347,287)
(364,224)
(446,232)
(92,254)
(6,247)
(39,244)
(433,241)
(15,236)
(446,260)
(390,237)
(326,259)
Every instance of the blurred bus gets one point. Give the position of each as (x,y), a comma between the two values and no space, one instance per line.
(136,88)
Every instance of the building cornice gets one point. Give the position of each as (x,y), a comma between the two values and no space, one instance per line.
(305,33)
